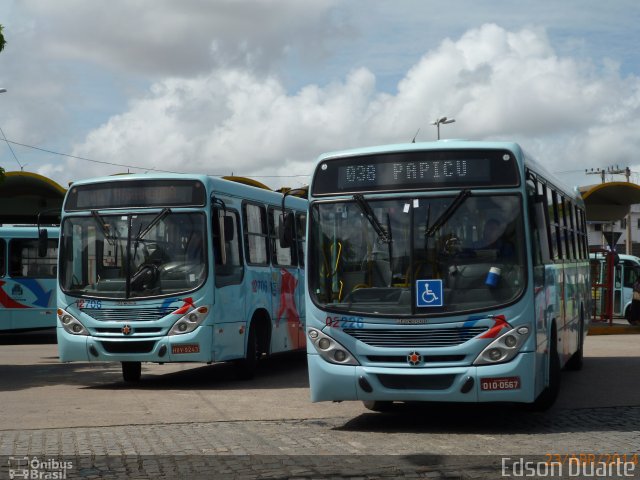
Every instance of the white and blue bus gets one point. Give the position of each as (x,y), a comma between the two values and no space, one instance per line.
(178,268)
(27,277)
(451,271)
(626,269)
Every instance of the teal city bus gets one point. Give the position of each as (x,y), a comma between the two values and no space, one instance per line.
(27,277)
(178,268)
(452,271)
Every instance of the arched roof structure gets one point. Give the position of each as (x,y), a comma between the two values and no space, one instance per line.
(609,202)
(25,194)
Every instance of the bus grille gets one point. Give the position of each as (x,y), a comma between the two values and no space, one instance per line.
(425,358)
(128,347)
(440,337)
(416,382)
(126,314)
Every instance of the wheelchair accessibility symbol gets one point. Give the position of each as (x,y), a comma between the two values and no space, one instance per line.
(429,293)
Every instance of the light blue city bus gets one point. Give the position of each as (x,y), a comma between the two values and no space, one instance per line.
(178,268)
(452,271)
(27,277)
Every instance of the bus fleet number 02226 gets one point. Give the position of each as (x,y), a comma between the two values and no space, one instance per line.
(344,322)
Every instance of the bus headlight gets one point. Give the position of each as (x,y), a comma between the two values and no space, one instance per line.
(189,322)
(503,348)
(329,349)
(71,324)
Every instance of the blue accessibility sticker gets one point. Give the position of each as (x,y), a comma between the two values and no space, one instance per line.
(429,293)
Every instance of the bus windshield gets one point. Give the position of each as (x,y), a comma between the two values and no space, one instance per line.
(133,255)
(368,255)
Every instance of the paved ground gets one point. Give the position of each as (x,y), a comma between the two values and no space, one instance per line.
(199,422)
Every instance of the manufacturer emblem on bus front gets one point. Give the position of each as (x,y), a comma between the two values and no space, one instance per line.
(126,330)
(414,358)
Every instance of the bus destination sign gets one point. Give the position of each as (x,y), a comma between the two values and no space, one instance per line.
(136,194)
(416,170)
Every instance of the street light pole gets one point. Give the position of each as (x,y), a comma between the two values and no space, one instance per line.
(442,120)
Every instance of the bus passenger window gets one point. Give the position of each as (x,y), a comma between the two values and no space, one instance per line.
(25,262)
(255,226)
(281,256)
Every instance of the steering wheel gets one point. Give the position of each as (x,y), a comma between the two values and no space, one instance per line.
(146,276)
(452,245)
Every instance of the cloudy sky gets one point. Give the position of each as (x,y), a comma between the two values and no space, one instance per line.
(260,88)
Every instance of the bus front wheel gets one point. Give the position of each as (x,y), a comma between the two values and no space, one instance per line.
(246,367)
(548,396)
(131,371)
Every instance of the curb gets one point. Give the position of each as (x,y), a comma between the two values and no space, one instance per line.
(606,329)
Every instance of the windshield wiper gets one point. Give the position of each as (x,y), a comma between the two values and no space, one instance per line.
(105,228)
(448,213)
(383,235)
(161,216)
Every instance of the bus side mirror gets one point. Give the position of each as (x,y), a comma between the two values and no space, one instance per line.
(43,240)
(228,229)
(285,230)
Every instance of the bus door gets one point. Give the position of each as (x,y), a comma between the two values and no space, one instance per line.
(301,244)
(288,291)
(618,289)
(230,293)
(628,275)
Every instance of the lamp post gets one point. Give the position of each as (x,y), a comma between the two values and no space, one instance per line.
(442,120)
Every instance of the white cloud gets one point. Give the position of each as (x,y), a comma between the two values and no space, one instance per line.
(498,84)
(165,37)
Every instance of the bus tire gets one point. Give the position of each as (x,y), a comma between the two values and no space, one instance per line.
(548,396)
(131,371)
(246,367)
(576,361)
(378,406)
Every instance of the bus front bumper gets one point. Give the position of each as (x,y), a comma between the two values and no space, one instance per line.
(331,382)
(190,347)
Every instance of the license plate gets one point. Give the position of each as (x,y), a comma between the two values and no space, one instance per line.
(500,383)
(187,348)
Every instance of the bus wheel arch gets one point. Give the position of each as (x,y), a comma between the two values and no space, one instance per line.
(257,344)
(261,321)
(575,362)
(548,396)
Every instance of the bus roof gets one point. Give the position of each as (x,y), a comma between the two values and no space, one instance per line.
(621,256)
(438,145)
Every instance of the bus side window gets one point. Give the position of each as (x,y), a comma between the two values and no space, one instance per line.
(630,274)
(255,234)
(24,260)
(539,225)
(15,260)
(226,247)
